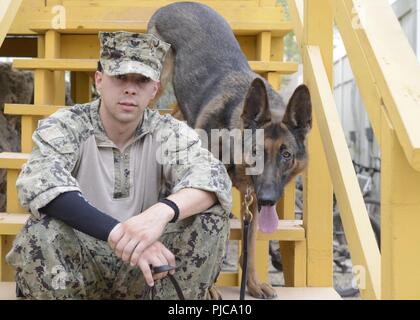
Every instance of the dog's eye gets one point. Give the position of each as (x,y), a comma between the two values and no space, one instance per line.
(286,155)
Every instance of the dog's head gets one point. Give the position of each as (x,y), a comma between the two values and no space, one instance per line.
(283,147)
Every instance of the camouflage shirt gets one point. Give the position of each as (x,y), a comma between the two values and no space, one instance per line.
(73,153)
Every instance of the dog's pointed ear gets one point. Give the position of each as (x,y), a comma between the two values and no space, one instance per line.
(256,110)
(298,114)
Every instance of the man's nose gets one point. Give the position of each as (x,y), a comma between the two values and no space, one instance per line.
(130,89)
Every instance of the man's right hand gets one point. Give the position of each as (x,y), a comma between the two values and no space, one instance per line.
(155,255)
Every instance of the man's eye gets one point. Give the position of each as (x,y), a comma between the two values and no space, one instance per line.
(143,80)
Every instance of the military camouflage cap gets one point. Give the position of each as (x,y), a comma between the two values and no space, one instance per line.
(126,52)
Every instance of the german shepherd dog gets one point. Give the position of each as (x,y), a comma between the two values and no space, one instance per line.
(216,89)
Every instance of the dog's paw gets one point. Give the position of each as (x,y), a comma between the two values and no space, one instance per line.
(261,291)
(214,294)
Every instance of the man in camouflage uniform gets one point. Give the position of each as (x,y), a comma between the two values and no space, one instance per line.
(120,158)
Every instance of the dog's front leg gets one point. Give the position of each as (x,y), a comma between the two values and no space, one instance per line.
(254,285)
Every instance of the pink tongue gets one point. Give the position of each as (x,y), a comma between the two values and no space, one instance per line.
(268,219)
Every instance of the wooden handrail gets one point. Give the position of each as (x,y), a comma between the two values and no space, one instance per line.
(8,11)
(393,64)
(359,233)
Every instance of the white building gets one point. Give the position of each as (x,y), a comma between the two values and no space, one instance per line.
(355,122)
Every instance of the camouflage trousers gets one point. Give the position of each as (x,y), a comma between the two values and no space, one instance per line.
(54,261)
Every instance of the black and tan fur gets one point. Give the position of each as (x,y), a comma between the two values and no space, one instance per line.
(216,89)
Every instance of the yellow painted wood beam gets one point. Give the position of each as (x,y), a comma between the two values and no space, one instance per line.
(395,68)
(317,193)
(8,11)
(81,87)
(227,279)
(13,160)
(288,230)
(90,65)
(91,19)
(12,223)
(400,219)
(159,3)
(6,272)
(86,46)
(359,234)
(30,109)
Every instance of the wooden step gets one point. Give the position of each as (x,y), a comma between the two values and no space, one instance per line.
(8,292)
(90,65)
(13,160)
(287,230)
(43,110)
(90,19)
(30,109)
(232,293)
(12,223)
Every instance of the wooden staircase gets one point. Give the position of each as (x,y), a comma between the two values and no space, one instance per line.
(259,26)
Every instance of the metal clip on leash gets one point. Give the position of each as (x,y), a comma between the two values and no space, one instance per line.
(247,220)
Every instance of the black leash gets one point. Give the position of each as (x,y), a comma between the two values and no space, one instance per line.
(244,259)
(247,220)
(149,293)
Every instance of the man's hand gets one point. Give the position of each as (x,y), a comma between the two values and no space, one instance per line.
(129,239)
(155,255)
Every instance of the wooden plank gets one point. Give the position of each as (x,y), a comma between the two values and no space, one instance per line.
(317,195)
(8,291)
(30,109)
(13,204)
(288,230)
(86,46)
(359,234)
(274,66)
(12,223)
(90,20)
(13,160)
(6,272)
(400,219)
(264,46)
(232,293)
(158,3)
(90,65)
(227,279)
(43,110)
(8,11)
(395,68)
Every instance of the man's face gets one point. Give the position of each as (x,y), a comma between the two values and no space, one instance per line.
(125,97)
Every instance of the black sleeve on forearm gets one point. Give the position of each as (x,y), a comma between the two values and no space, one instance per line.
(73,209)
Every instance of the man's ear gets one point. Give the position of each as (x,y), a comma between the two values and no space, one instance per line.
(299,110)
(155,89)
(256,110)
(98,80)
